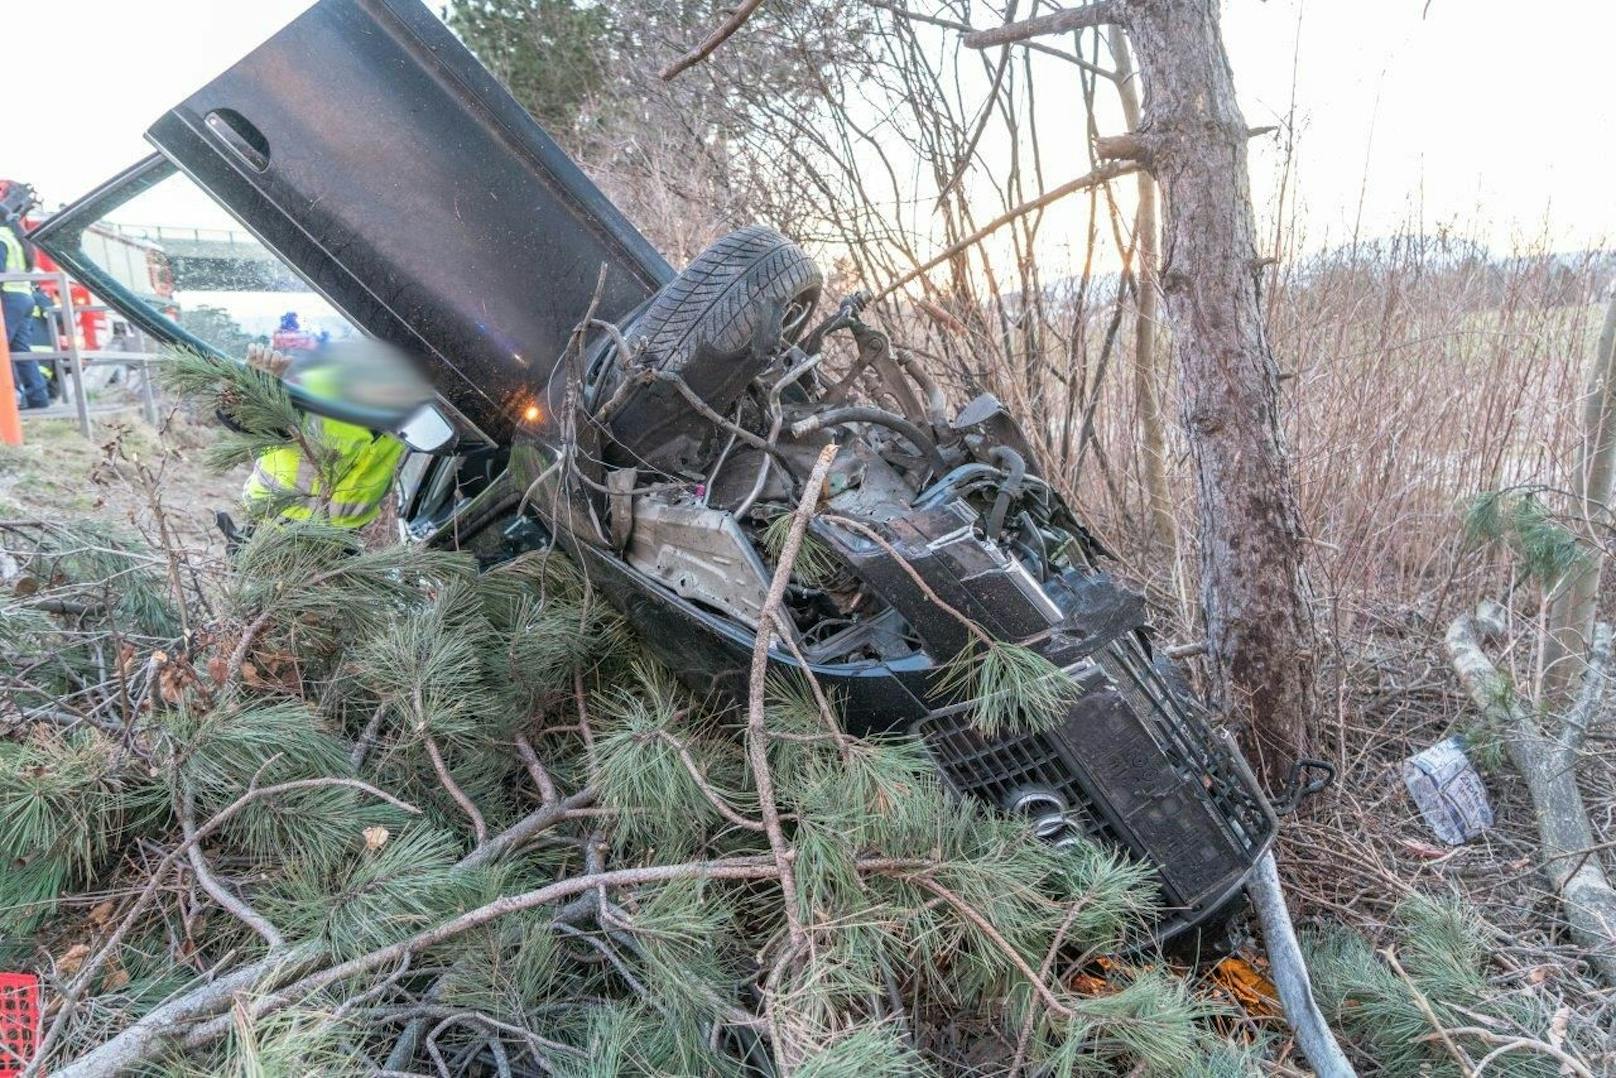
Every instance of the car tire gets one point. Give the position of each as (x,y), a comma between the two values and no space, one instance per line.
(715,325)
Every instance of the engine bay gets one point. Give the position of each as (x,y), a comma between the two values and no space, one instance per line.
(954,495)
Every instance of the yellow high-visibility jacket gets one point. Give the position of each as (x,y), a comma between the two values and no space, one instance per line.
(13,259)
(283,478)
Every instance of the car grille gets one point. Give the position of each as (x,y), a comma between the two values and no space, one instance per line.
(1137,768)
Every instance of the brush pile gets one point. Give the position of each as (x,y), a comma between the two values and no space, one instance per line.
(331,810)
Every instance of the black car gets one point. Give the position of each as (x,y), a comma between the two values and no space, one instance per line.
(376,180)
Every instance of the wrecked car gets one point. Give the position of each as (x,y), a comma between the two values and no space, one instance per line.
(657,426)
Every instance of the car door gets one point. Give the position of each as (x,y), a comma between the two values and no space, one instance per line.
(381,178)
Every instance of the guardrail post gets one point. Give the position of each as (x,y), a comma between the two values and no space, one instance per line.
(147,391)
(75,362)
(10,421)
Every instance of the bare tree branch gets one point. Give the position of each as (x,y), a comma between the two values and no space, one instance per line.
(1100,13)
(981,124)
(723,33)
(1103,174)
(965,28)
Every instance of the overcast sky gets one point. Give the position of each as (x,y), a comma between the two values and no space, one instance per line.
(1466,115)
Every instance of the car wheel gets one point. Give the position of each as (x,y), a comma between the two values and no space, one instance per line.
(716,326)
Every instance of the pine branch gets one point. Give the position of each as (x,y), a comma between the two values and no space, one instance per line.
(478,826)
(757,744)
(986,927)
(231,904)
(551,814)
(739,868)
(92,966)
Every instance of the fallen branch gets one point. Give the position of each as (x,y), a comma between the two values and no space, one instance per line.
(983,925)
(720,806)
(536,770)
(467,805)
(758,867)
(93,966)
(238,908)
(543,819)
(147,1038)
(757,743)
(1546,763)
(1439,1031)
(238,654)
(1568,1062)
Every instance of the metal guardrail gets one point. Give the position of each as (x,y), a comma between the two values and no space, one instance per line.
(232,236)
(75,357)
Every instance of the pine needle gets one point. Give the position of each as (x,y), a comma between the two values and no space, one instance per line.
(372,897)
(1444,949)
(815,564)
(1014,689)
(1547,549)
(869,1052)
(63,805)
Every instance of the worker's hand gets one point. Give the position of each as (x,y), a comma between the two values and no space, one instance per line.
(266,359)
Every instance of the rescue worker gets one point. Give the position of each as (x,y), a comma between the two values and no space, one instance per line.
(17,297)
(289,336)
(286,485)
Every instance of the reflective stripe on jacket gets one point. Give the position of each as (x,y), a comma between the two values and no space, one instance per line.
(15,260)
(364,465)
(284,479)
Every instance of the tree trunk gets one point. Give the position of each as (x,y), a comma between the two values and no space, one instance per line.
(1574,604)
(1147,375)
(1193,138)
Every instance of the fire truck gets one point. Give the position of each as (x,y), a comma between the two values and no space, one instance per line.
(137,264)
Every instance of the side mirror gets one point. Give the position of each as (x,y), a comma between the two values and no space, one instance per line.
(426,430)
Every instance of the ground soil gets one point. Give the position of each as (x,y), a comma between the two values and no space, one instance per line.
(57,475)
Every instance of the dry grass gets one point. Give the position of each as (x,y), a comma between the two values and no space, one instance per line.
(60,476)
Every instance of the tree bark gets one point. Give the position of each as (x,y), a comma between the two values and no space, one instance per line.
(1147,375)
(1193,137)
(1575,601)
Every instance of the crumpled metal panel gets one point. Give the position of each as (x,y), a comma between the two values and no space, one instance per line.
(701,554)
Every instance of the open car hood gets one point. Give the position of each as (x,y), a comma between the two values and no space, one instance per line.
(366,147)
